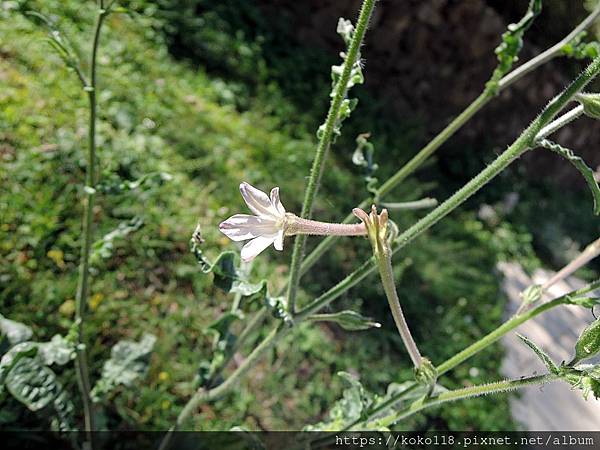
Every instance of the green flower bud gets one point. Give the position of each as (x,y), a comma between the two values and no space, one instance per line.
(426,374)
(588,343)
(591,104)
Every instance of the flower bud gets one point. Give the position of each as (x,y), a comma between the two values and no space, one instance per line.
(591,104)
(588,343)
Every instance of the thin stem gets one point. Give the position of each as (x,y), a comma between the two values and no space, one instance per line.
(464,393)
(316,172)
(456,124)
(560,122)
(417,204)
(83,375)
(202,395)
(492,337)
(510,325)
(590,252)
(384,262)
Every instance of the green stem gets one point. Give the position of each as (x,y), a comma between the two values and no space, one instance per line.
(456,124)
(510,325)
(461,394)
(560,122)
(386,272)
(316,172)
(202,395)
(492,337)
(81,362)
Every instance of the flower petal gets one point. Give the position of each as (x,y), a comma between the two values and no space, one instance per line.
(257,201)
(276,202)
(255,246)
(241,227)
(278,243)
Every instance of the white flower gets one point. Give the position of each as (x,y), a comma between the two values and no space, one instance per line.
(265,228)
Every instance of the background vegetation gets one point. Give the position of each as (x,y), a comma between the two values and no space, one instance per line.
(213,93)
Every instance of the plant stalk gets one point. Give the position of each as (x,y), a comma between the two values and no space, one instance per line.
(464,393)
(81,298)
(316,172)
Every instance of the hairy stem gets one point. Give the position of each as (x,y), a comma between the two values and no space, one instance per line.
(324,144)
(386,273)
(456,124)
(464,393)
(316,228)
(203,395)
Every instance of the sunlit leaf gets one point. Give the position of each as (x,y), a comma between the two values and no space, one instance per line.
(546,360)
(129,361)
(579,163)
(15,332)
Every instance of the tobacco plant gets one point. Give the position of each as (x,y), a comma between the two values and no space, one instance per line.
(26,368)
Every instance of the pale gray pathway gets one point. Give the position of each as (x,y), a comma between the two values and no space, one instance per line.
(553,407)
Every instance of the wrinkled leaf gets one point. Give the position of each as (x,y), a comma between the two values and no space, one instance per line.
(112,184)
(32,384)
(58,351)
(579,49)
(579,163)
(104,248)
(278,308)
(16,332)
(128,362)
(543,356)
(355,400)
(512,42)
(224,271)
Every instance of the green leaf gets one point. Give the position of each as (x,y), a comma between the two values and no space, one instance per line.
(531,295)
(588,174)
(31,383)
(59,350)
(220,327)
(278,308)
(546,360)
(586,302)
(104,248)
(512,42)
(581,50)
(15,332)
(588,344)
(224,271)
(112,184)
(355,400)
(346,30)
(348,320)
(128,362)
(591,104)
